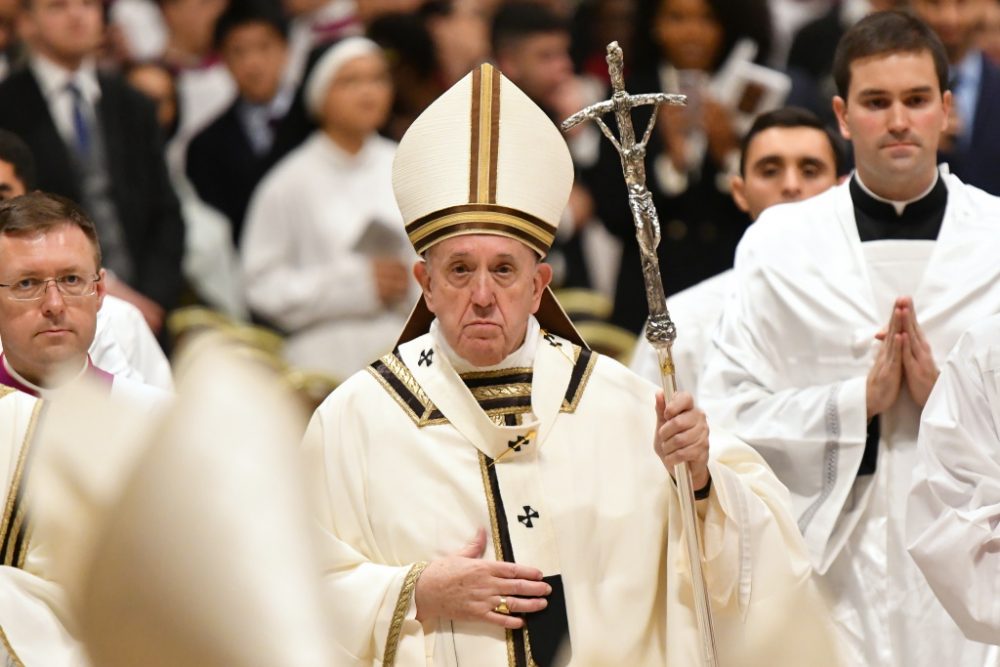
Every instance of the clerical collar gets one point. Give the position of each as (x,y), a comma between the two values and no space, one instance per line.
(11,378)
(898,206)
(916,219)
(522,357)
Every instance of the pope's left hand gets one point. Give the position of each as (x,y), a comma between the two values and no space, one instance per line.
(682,436)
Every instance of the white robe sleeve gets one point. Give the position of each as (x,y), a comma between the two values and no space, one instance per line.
(125,346)
(374,610)
(812,434)
(283,288)
(757,569)
(953,512)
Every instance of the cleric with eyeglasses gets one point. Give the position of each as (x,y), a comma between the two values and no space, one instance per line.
(51,288)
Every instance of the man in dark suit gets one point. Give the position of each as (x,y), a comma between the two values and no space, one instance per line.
(227,159)
(96,141)
(972,144)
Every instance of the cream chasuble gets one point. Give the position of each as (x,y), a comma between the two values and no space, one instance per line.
(554,458)
(31,634)
(787,373)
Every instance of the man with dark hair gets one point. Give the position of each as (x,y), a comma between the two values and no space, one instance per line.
(973,140)
(226,160)
(787,155)
(820,360)
(17,166)
(96,141)
(531,46)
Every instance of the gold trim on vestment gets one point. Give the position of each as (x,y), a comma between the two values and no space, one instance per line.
(514,390)
(10,649)
(503,372)
(570,406)
(403,374)
(12,523)
(6,391)
(399,613)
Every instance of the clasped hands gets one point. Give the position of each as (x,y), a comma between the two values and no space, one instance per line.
(904,356)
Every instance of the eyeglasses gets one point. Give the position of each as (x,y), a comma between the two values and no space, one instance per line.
(33,289)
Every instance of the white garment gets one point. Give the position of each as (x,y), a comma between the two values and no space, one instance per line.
(788,373)
(125,346)
(211,264)
(142,26)
(34,615)
(309,31)
(221,575)
(301,259)
(203,94)
(407,465)
(954,507)
(695,312)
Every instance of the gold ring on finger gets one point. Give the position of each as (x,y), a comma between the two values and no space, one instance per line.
(502,608)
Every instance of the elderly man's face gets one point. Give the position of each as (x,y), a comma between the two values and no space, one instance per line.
(39,336)
(483,288)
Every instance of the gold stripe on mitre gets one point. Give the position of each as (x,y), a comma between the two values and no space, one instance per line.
(484,124)
(482,214)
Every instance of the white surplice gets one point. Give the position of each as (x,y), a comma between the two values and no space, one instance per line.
(695,312)
(302,264)
(558,467)
(787,373)
(954,506)
(125,346)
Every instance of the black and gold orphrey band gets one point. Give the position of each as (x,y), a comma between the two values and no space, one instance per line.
(482,213)
(15,529)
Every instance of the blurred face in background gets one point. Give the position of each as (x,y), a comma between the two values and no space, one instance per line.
(10,184)
(64,31)
(191,24)
(538,64)
(784,164)
(255,54)
(156,83)
(688,33)
(359,97)
(988,38)
(954,21)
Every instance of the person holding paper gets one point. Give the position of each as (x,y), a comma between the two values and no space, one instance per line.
(323,254)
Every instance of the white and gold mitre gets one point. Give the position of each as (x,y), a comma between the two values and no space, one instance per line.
(482,159)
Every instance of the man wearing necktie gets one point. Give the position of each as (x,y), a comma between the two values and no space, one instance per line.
(96,141)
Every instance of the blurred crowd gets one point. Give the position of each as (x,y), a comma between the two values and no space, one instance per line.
(237,154)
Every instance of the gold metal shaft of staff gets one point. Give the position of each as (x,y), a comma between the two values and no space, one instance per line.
(660,330)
